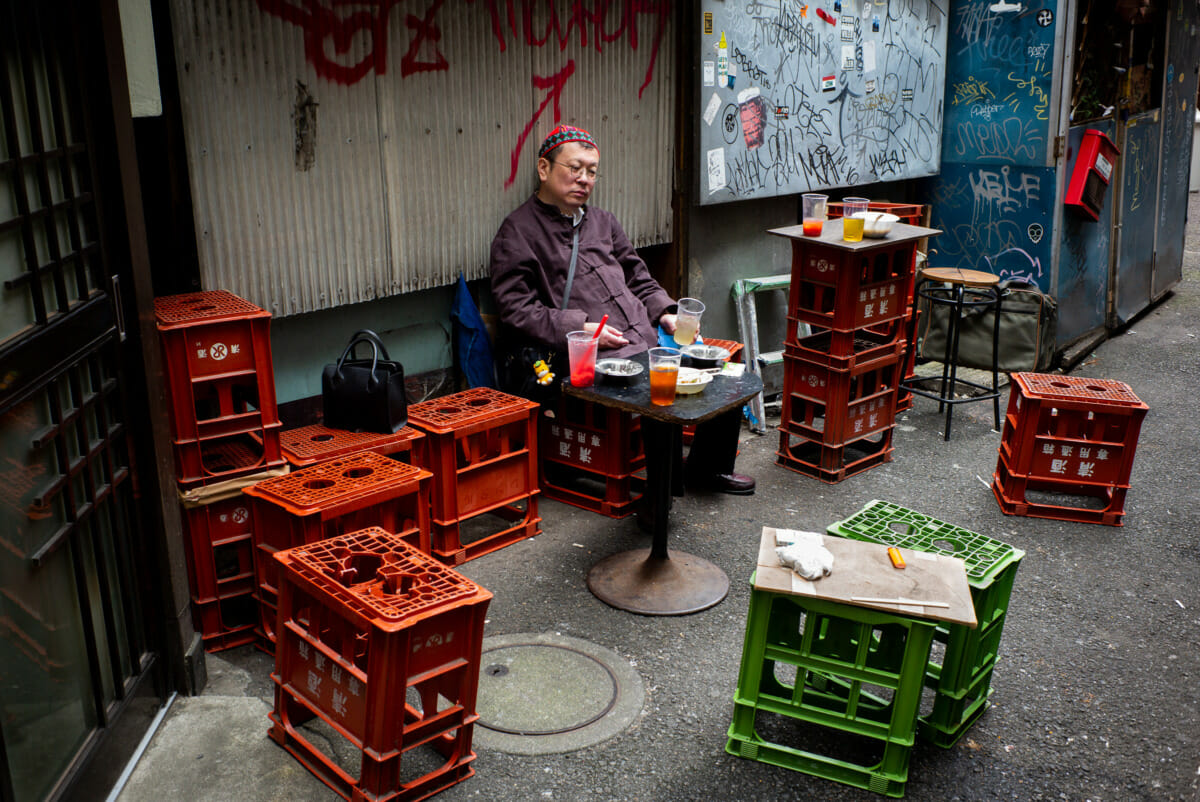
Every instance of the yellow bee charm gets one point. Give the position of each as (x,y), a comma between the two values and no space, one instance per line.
(542,371)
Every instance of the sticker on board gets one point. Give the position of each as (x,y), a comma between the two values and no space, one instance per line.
(829,83)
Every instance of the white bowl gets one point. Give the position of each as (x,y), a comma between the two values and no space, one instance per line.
(691,381)
(877,224)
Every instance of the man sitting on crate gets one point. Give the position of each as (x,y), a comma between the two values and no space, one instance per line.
(530,263)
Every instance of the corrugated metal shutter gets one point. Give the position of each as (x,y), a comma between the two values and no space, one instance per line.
(322,178)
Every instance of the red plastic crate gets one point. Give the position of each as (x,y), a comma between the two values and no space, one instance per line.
(589,457)
(220,548)
(836,406)
(200,463)
(845,350)
(833,463)
(846,290)
(382,644)
(309,445)
(732,346)
(913,214)
(912,322)
(1064,427)
(226,623)
(1060,500)
(217,359)
(341,495)
(481,445)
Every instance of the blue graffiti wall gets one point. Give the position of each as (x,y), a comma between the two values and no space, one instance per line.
(995,196)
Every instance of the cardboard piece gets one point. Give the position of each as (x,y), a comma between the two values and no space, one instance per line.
(863,576)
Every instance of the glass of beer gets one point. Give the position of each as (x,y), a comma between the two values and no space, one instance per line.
(687,320)
(853,211)
(813,211)
(664,370)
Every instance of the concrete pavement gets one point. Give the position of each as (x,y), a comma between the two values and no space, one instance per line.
(1095,694)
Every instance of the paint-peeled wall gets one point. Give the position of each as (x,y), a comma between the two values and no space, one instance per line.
(994,199)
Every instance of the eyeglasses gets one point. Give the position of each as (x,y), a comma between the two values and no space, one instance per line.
(578,171)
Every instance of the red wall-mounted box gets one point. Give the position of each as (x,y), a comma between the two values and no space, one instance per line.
(1092,173)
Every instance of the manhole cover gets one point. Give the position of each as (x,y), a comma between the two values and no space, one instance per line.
(549,693)
(542,689)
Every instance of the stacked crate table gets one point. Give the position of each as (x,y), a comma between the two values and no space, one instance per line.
(330,498)
(841,380)
(914,214)
(1066,451)
(959,674)
(377,666)
(225,431)
(832,670)
(481,446)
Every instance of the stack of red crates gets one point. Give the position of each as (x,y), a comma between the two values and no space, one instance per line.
(592,457)
(481,445)
(913,214)
(1066,451)
(841,380)
(378,654)
(330,498)
(224,426)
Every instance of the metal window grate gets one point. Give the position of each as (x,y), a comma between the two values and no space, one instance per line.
(49,250)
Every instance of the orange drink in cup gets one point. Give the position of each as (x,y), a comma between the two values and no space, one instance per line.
(813,211)
(664,370)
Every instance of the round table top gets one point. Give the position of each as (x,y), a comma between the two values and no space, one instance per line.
(955,275)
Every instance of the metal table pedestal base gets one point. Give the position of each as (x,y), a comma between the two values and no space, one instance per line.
(676,585)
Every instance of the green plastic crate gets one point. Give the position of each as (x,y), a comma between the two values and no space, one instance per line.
(857,671)
(952,716)
(969,654)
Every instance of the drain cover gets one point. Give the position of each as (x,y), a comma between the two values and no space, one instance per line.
(542,694)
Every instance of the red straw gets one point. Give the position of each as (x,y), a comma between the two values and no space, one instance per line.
(600,328)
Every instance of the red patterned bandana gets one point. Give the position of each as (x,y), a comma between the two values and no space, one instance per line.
(564,134)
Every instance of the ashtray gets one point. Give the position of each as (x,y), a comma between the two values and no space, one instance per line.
(619,371)
(705,356)
(691,381)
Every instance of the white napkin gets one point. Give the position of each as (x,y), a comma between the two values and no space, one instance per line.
(804,553)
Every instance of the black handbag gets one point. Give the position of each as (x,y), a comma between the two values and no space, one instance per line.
(1028,327)
(365,395)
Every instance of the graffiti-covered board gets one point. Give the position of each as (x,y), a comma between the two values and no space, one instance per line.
(797,96)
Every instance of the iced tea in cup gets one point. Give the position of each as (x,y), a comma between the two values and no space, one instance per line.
(664,370)
(687,320)
(853,211)
(581,352)
(813,213)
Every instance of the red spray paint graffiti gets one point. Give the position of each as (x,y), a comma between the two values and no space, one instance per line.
(555,84)
(344,26)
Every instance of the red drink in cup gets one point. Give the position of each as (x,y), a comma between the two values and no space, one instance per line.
(581,352)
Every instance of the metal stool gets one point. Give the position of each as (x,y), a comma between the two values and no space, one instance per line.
(958,289)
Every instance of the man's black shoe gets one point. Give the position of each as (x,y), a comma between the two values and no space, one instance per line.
(735,484)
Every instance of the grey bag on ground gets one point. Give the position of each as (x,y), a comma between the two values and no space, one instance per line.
(1028,323)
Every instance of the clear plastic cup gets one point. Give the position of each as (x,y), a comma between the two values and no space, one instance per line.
(664,370)
(853,210)
(581,353)
(687,320)
(813,211)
